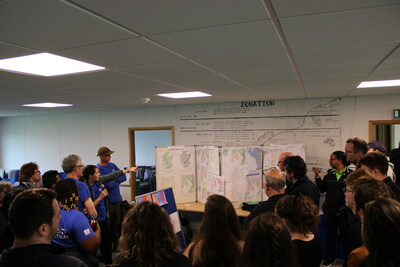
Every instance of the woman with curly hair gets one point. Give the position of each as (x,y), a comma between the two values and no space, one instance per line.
(148,239)
(268,243)
(219,240)
(301,216)
(29,175)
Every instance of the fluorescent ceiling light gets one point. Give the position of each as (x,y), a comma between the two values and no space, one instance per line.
(46,64)
(385,83)
(47,105)
(185,95)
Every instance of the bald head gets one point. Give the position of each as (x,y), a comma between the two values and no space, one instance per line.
(275,182)
(282,158)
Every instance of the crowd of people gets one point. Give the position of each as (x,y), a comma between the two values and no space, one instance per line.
(48,221)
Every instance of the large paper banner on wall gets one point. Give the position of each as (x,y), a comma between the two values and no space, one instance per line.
(208,167)
(272,152)
(176,168)
(241,169)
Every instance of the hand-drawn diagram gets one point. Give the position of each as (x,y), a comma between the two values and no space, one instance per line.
(315,123)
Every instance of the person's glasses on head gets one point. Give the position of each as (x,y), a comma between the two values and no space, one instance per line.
(265,171)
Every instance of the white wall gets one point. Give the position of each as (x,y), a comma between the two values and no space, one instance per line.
(145,143)
(47,139)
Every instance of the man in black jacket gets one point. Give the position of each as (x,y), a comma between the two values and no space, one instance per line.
(296,170)
(34,216)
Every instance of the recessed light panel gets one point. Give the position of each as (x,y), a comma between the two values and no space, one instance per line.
(47,105)
(46,64)
(185,95)
(384,83)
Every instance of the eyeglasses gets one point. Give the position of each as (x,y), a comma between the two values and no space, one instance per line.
(331,159)
(346,190)
(37,171)
(81,166)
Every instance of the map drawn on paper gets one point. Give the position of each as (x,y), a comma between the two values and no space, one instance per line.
(175,167)
(241,169)
(208,171)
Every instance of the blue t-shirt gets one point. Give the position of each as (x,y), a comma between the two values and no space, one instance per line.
(73,228)
(101,207)
(83,192)
(113,186)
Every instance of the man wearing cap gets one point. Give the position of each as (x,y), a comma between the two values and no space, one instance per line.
(114,203)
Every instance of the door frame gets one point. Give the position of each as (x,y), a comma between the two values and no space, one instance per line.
(132,156)
(371,125)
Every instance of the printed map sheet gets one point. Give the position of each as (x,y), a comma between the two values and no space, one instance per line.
(241,169)
(209,180)
(175,167)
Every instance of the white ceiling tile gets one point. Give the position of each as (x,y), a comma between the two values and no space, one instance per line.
(153,16)
(265,75)
(359,54)
(389,69)
(247,62)
(285,8)
(375,91)
(9,50)
(335,45)
(331,85)
(245,38)
(375,25)
(49,25)
(182,68)
(337,71)
(182,73)
(122,53)
(278,89)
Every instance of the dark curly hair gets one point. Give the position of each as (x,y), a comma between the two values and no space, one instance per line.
(300,212)
(27,171)
(67,194)
(147,236)
(268,243)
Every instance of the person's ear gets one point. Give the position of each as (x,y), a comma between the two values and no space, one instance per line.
(375,172)
(43,229)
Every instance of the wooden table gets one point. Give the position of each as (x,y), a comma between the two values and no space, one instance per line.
(199,207)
